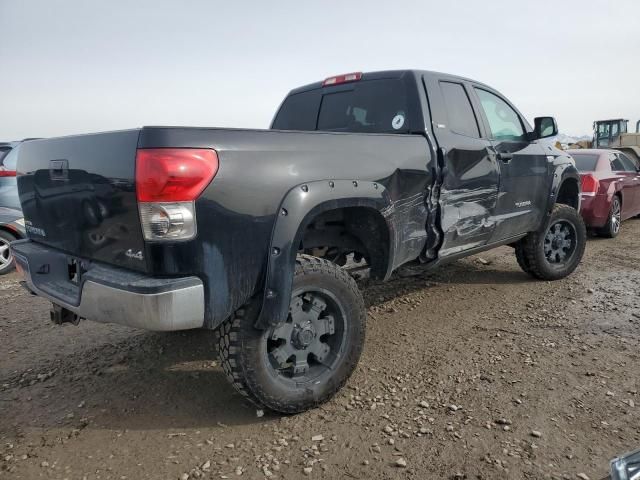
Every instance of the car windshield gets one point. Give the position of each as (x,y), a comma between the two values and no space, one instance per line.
(586,162)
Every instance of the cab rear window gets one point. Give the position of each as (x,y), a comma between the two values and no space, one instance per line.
(373,106)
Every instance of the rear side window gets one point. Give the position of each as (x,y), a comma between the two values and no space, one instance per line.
(372,106)
(462,120)
(503,120)
(616,164)
(585,162)
(629,165)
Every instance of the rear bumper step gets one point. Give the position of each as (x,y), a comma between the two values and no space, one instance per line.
(109,294)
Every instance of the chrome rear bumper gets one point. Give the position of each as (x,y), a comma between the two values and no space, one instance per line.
(112,295)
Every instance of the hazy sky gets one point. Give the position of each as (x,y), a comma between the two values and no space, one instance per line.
(80,66)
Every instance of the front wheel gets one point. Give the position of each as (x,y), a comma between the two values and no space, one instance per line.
(555,251)
(304,361)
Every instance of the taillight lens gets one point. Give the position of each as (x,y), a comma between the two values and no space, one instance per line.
(168,221)
(168,181)
(590,185)
(4,172)
(174,174)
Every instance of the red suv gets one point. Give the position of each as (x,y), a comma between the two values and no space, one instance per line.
(610,189)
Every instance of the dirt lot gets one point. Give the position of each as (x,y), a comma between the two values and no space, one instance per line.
(473,371)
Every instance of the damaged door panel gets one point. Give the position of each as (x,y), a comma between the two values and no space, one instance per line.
(468,183)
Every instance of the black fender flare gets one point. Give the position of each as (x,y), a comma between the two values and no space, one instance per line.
(562,173)
(298,207)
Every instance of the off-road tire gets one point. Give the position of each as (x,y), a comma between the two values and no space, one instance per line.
(609,230)
(530,252)
(5,239)
(242,347)
(521,257)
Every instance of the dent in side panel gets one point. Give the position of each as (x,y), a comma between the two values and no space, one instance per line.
(408,214)
(467,184)
(467,199)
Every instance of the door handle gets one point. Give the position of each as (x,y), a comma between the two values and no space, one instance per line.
(506,157)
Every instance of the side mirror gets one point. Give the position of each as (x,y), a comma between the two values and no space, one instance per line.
(545,127)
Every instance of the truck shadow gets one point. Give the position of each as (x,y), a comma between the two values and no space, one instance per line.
(146,381)
(142,380)
(413,278)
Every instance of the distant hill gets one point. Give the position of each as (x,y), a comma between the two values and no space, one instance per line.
(568,139)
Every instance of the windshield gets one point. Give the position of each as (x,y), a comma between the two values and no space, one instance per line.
(373,106)
(586,162)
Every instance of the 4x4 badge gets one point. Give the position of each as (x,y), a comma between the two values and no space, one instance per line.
(137,255)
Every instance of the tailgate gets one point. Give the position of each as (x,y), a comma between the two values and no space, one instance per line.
(78,195)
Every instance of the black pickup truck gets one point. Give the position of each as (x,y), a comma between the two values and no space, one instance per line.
(247,232)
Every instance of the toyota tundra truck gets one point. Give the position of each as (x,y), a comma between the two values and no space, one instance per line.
(251,232)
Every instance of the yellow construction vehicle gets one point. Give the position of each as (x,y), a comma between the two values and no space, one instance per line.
(613,134)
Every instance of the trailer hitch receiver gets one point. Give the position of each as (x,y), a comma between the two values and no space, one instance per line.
(60,315)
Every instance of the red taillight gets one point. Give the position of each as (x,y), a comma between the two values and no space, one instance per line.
(173,174)
(4,172)
(590,184)
(346,78)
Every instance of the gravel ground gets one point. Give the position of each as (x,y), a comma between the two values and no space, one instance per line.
(472,371)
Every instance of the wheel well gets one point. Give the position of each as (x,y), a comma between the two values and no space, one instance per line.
(569,193)
(361,231)
(619,195)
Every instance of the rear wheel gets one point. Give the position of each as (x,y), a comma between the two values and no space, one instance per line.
(612,227)
(555,251)
(304,361)
(7,263)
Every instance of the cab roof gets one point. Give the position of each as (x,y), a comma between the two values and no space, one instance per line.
(383,74)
